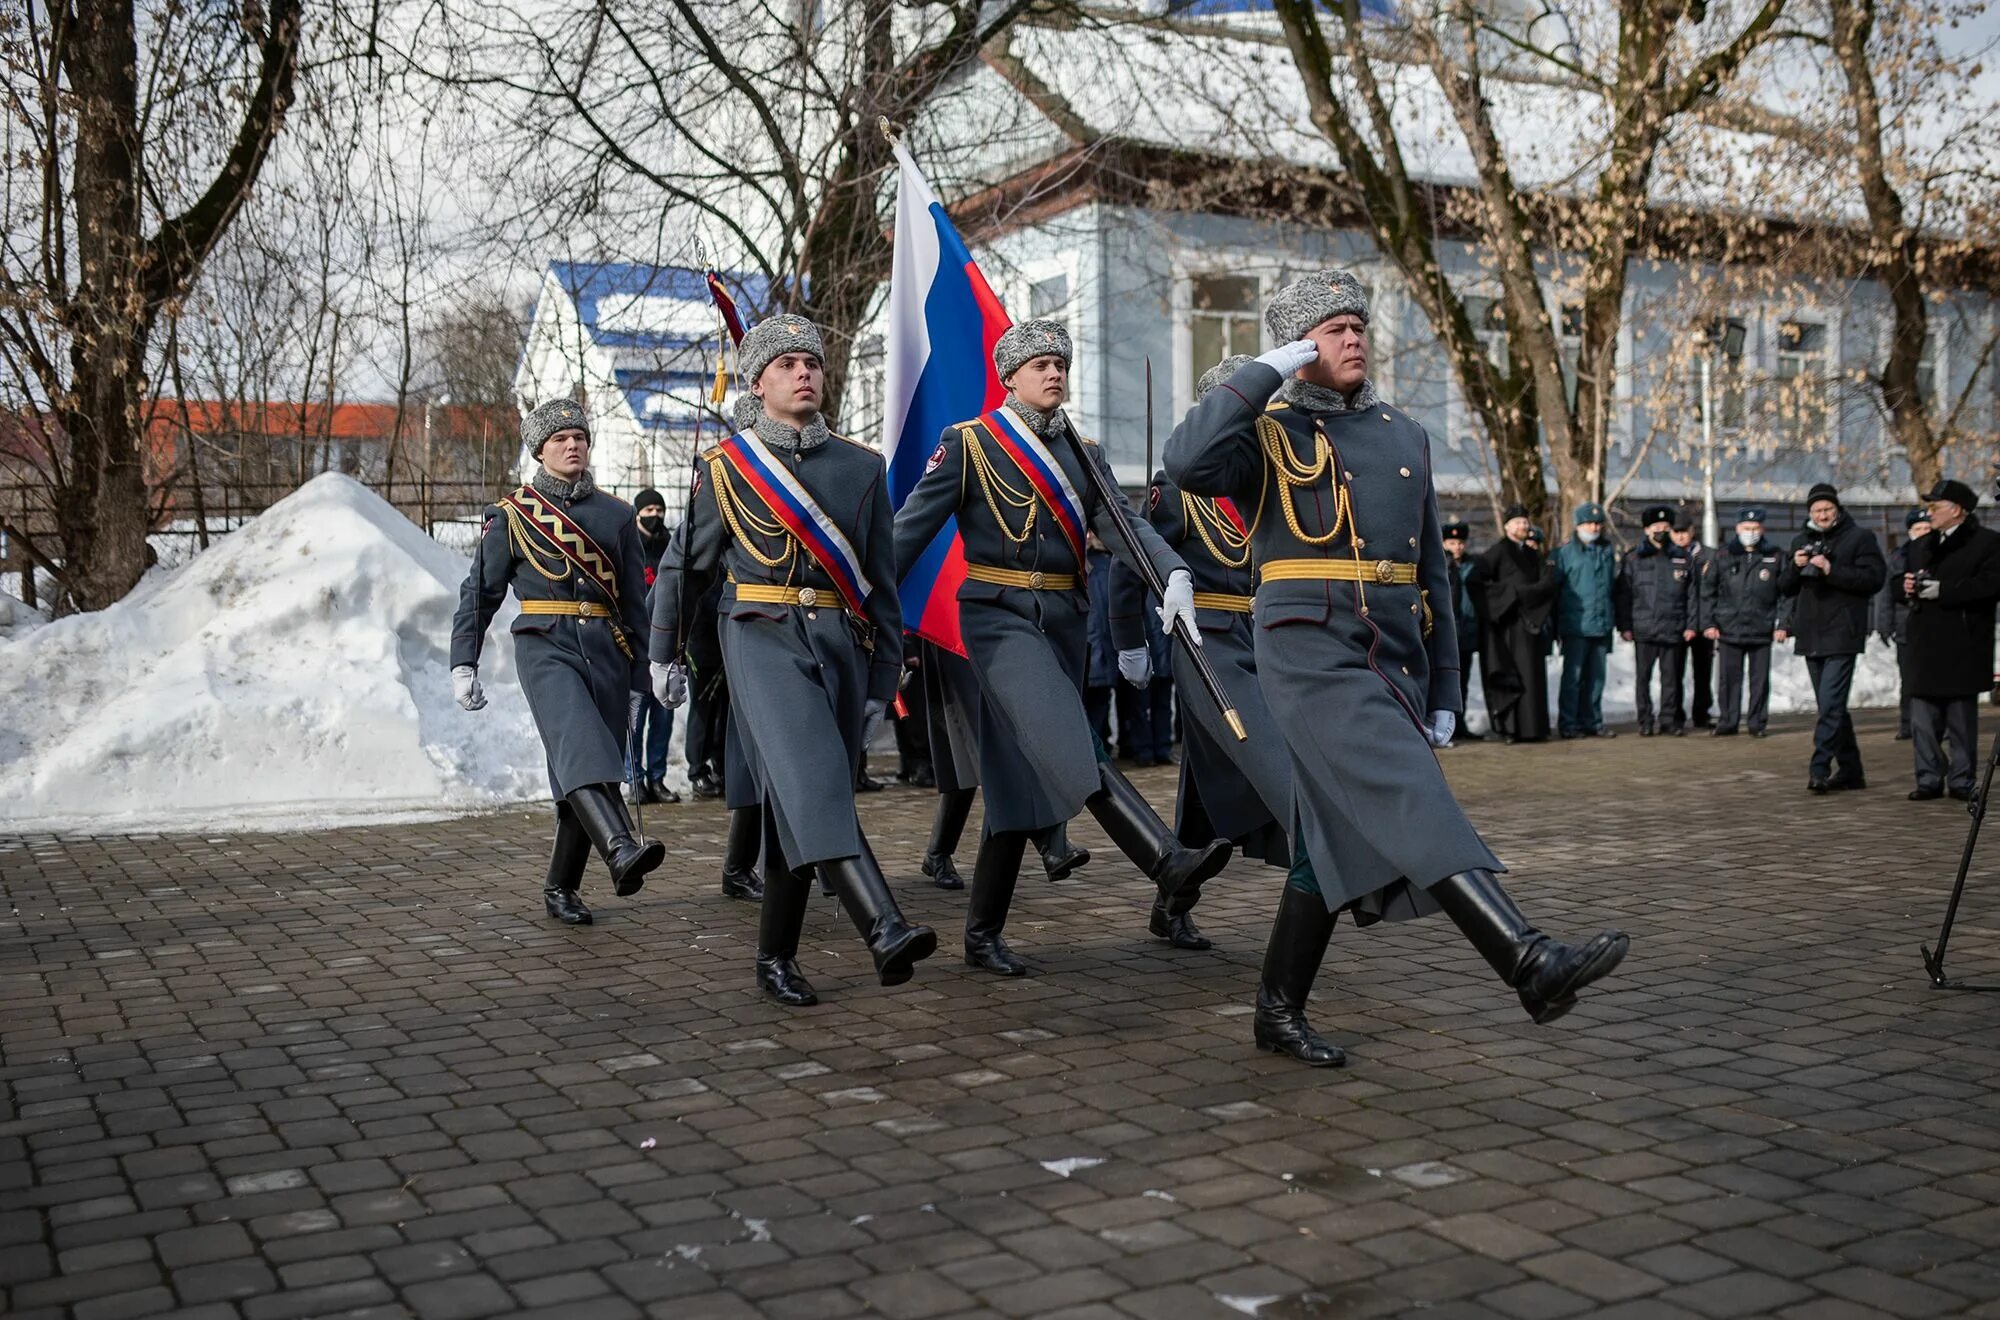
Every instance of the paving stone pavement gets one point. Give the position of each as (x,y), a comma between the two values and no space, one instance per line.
(356,1072)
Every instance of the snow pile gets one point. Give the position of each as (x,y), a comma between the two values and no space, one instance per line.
(1876,683)
(295,674)
(18,619)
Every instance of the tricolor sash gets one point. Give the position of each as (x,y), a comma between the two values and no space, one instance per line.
(790,503)
(1043,472)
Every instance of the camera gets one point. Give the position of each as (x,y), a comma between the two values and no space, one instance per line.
(1814,547)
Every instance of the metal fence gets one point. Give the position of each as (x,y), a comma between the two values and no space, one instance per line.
(447,510)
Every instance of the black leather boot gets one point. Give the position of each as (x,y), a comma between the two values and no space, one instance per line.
(895,944)
(786,897)
(1179,931)
(1291,961)
(994,875)
(604,818)
(739,855)
(1141,835)
(566,862)
(947,828)
(1546,972)
(1059,855)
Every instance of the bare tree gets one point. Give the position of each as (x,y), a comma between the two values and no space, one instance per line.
(143,131)
(755,123)
(1655,67)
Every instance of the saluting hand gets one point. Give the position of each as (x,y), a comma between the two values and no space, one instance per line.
(465,687)
(1286,359)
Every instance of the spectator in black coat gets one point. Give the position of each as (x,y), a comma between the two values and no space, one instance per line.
(1835,569)
(1892,611)
(1951,582)
(1742,614)
(1653,599)
(1700,651)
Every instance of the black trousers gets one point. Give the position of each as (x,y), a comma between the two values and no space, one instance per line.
(1941,727)
(1833,733)
(1902,695)
(708,724)
(1668,659)
(1466,655)
(1734,658)
(1701,652)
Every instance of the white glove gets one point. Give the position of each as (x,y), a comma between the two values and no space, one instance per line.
(1928,589)
(1443,725)
(670,684)
(465,687)
(873,711)
(1288,358)
(1135,666)
(1178,603)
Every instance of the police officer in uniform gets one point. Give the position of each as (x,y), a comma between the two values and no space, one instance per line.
(571,554)
(812,637)
(1015,480)
(1237,790)
(1654,603)
(1740,614)
(1357,655)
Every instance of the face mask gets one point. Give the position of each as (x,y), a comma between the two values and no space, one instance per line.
(1659,538)
(1585,535)
(1749,538)
(651,524)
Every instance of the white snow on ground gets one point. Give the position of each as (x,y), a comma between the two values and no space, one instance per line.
(296,674)
(1875,684)
(17,619)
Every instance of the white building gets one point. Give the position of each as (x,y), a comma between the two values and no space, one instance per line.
(636,344)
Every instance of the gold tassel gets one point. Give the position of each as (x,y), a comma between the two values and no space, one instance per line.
(720,390)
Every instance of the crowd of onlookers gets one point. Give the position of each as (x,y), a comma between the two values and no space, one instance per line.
(1715,613)
(1703,622)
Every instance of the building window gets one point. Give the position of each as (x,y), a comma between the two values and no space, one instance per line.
(1049,298)
(1489,322)
(1801,377)
(1929,385)
(1223,320)
(1724,340)
(1569,345)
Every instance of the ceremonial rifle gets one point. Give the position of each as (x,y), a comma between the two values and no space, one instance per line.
(1108,496)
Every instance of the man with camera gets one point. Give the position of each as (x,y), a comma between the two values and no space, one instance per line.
(1834,569)
(1952,582)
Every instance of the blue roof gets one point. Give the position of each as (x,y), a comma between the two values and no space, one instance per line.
(588,282)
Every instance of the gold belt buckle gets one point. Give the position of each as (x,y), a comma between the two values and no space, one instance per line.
(1385,571)
(1035,580)
(808,597)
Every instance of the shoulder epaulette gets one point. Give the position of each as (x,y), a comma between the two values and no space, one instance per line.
(1276,405)
(710,454)
(850,440)
(1087,440)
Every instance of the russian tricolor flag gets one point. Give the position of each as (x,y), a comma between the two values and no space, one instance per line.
(943,322)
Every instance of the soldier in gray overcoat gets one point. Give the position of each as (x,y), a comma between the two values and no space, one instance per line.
(951,704)
(1229,788)
(571,555)
(812,640)
(1016,481)
(1357,656)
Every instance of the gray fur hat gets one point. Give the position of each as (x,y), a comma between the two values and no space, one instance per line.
(1303,304)
(1031,339)
(773,337)
(1220,372)
(545,421)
